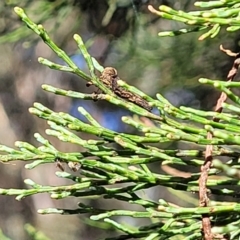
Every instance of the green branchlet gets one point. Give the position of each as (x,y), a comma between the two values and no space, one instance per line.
(117,158)
(222,13)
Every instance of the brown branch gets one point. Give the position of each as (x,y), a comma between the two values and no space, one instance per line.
(203,198)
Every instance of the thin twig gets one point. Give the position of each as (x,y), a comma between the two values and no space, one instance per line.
(203,198)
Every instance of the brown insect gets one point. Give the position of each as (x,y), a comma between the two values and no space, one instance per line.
(59,164)
(110,77)
(74,166)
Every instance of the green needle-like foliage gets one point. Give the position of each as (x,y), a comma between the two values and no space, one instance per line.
(220,13)
(115,165)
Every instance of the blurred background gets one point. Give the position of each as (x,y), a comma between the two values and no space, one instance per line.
(118,33)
